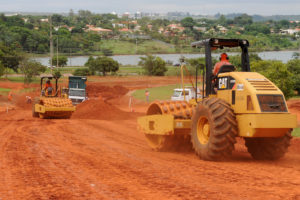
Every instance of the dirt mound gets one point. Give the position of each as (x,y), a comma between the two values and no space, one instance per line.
(99,109)
(106,92)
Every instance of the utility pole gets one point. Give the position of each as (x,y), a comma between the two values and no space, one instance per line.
(51,44)
(136,45)
(70,58)
(57,52)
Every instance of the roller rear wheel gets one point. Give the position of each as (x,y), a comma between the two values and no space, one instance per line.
(268,148)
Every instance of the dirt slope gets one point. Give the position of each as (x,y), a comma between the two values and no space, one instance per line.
(92,158)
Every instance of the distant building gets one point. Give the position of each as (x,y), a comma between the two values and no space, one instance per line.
(289,31)
(138,15)
(201,29)
(161,30)
(137,28)
(125,30)
(44,20)
(97,29)
(149,26)
(10,14)
(222,29)
(25,20)
(176,27)
(126,14)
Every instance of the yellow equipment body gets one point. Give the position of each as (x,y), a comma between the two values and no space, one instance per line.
(234,104)
(54,107)
(171,117)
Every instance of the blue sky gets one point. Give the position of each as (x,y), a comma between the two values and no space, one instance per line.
(262,7)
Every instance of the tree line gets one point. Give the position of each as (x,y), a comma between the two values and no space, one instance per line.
(29,34)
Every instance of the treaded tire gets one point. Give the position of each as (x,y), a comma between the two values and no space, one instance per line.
(268,148)
(36,101)
(222,129)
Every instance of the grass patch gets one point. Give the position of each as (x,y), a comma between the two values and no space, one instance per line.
(64,70)
(25,90)
(125,47)
(156,93)
(294,97)
(296,132)
(4,91)
(131,70)
(19,79)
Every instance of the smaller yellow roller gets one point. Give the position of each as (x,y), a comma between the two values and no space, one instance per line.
(51,104)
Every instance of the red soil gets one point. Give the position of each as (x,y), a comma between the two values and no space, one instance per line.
(294,107)
(82,158)
(99,109)
(106,92)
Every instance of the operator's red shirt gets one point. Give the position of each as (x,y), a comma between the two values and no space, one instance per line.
(48,85)
(218,65)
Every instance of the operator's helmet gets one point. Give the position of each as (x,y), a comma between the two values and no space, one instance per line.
(224,56)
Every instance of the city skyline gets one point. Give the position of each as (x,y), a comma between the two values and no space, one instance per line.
(265,8)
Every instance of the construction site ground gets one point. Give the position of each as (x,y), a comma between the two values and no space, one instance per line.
(99,154)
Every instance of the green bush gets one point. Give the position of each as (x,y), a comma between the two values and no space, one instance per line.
(102,64)
(153,65)
(56,73)
(294,67)
(82,72)
(62,61)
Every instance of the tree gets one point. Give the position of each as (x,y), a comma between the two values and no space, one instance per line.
(56,73)
(278,73)
(188,22)
(57,19)
(102,64)
(2,69)
(294,67)
(9,57)
(62,61)
(243,20)
(153,65)
(236,61)
(31,69)
(296,55)
(82,72)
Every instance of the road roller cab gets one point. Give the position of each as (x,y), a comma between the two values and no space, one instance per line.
(234,104)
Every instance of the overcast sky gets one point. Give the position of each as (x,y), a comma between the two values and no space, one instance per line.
(262,7)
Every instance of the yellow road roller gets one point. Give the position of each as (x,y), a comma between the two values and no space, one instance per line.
(52,103)
(233,104)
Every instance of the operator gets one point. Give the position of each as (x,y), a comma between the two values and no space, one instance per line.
(48,87)
(224,60)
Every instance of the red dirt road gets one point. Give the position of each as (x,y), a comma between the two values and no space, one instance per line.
(109,159)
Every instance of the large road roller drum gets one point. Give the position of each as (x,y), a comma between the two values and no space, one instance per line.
(161,115)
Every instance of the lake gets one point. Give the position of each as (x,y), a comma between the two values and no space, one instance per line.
(283,56)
